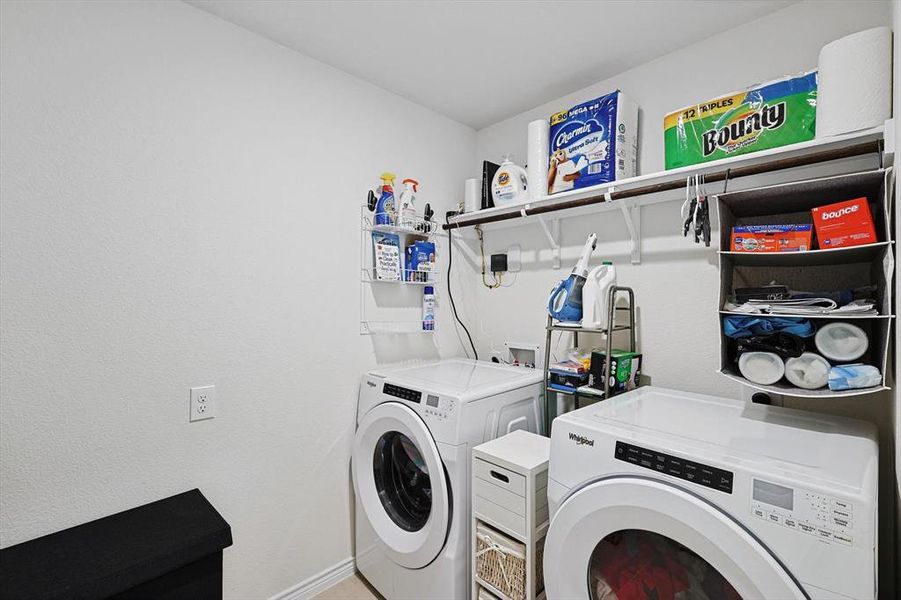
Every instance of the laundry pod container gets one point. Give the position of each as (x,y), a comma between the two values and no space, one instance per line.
(763,368)
(841,342)
(809,371)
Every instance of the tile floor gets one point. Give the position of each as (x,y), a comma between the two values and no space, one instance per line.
(352,588)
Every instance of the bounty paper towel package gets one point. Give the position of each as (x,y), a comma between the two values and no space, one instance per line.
(766,116)
(593,143)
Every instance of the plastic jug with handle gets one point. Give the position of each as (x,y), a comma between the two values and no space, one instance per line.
(596,296)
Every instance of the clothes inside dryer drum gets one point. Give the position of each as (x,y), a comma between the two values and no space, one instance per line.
(402,481)
(635,565)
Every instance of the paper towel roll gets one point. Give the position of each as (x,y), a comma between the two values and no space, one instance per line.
(537,163)
(855,82)
(472,197)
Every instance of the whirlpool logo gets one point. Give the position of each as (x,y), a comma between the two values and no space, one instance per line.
(581,440)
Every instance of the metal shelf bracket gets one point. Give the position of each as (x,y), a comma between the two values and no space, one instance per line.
(553,238)
(632,216)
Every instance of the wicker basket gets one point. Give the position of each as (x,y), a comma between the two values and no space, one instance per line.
(485,595)
(501,562)
(539,566)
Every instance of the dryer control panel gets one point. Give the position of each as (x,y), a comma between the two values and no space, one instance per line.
(828,518)
(439,408)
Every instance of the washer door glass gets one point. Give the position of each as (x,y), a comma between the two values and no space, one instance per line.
(402,481)
(634,563)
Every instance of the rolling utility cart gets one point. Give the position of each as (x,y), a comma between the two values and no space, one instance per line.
(612,327)
(509,516)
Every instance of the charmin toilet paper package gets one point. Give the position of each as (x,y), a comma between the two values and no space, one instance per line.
(592,143)
(766,116)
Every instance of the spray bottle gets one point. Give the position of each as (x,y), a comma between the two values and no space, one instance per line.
(428,308)
(565,302)
(384,209)
(596,296)
(406,210)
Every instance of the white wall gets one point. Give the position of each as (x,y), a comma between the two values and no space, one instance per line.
(677,282)
(180,207)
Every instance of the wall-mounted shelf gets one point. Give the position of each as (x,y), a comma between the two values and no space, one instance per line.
(394,306)
(628,195)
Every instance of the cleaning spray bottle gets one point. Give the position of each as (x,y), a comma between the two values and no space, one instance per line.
(384,208)
(596,296)
(565,302)
(406,210)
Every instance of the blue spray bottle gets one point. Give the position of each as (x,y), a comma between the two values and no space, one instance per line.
(384,208)
(565,303)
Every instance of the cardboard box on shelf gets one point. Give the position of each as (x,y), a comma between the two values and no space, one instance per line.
(772,238)
(843,224)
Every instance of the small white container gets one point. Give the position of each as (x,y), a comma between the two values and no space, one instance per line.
(842,342)
(809,371)
(763,368)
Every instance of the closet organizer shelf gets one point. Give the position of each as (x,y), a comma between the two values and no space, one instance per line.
(828,256)
(813,270)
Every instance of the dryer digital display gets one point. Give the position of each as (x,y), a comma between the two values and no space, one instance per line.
(689,470)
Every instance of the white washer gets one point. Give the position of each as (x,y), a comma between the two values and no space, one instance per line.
(411,467)
(762,502)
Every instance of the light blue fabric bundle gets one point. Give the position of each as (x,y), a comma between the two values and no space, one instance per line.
(852,377)
(742,327)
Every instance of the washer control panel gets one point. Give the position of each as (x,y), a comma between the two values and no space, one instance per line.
(439,408)
(828,518)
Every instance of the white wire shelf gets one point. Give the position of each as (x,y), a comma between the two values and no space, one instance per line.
(394,328)
(409,277)
(407,225)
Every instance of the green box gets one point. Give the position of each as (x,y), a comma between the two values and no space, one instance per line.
(624,365)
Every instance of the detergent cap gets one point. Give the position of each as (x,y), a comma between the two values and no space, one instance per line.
(412,182)
(387,178)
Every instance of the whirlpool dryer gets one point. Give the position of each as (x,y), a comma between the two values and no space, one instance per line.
(411,467)
(697,496)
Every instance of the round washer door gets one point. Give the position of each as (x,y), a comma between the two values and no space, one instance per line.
(622,532)
(400,484)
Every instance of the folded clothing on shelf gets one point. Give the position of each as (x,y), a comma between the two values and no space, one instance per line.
(742,327)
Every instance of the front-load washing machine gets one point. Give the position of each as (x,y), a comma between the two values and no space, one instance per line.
(684,495)
(416,427)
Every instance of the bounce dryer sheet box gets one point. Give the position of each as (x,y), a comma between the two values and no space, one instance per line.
(593,143)
(772,238)
(773,114)
(846,223)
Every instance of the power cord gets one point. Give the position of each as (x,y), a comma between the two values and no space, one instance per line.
(450,262)
(497,278)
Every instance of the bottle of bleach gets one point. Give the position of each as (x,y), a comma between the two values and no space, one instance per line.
(596,296)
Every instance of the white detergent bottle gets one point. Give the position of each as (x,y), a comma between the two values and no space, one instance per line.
(596,295)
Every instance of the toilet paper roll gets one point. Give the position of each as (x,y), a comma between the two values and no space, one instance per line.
(472,196)
(537,163)
(855,82)
(809,371)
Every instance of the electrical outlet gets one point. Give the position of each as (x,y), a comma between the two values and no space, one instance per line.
(203,403)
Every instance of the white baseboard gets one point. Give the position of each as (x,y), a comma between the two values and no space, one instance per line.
(308,588)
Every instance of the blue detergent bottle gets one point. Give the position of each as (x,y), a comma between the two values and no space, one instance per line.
(384,208)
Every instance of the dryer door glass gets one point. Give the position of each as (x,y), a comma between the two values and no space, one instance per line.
(402,481)
(634,563)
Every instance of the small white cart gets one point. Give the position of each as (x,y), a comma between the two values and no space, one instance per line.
(509,516)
